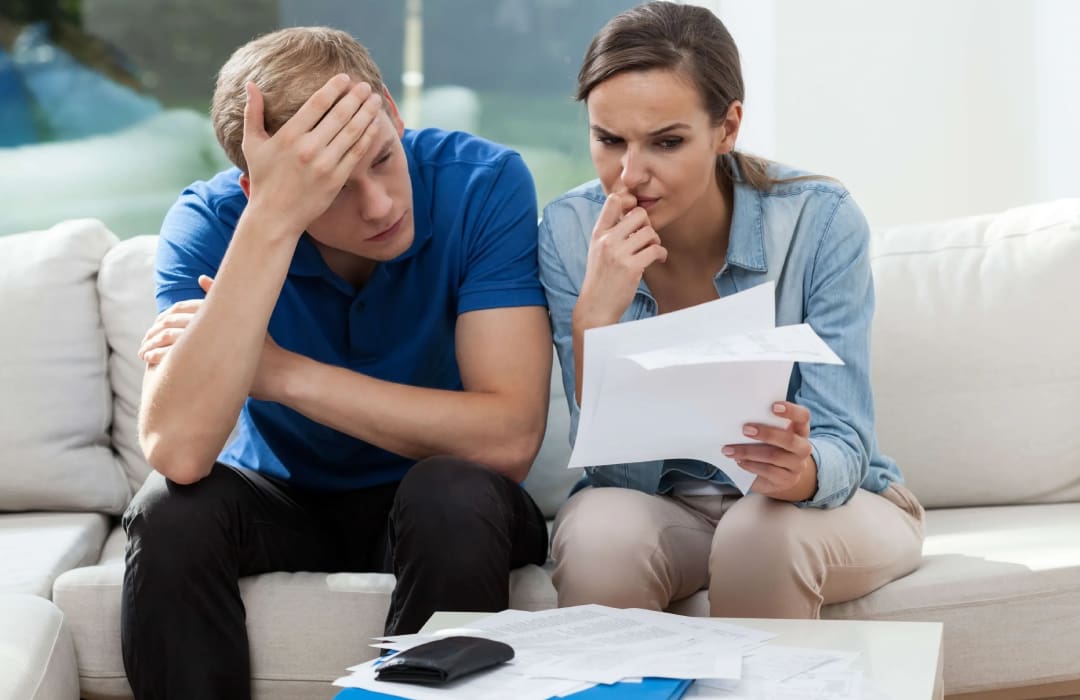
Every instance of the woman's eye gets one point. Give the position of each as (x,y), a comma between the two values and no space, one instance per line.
(382,159)
(609,140)
(669,144)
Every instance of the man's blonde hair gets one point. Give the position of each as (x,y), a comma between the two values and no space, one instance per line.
(287,66)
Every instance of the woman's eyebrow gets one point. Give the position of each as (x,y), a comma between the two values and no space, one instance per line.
(669,127)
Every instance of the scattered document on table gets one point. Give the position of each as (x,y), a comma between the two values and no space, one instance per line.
(564,651)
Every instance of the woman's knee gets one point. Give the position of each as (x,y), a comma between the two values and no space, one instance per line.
(608,550)
(761,565)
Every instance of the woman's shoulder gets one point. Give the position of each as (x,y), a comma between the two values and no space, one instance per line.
(575,211)
(586,194)
(788,181)
(808,196)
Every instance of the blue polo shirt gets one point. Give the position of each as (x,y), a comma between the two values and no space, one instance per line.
(474,208)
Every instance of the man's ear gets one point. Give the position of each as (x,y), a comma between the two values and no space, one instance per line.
(728,131)
(245,184)
(392,110)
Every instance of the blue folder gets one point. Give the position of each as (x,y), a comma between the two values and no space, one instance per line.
(648,689)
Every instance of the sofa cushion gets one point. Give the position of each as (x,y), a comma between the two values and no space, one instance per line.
(126,289)
(549,481)
(1005,581)
(305,629)
(35,548)
(55,400)
(37,658)
(975,349)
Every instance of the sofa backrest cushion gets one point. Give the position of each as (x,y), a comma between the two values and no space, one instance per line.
(549,480)
(126,288)
(55,399)
(976,355)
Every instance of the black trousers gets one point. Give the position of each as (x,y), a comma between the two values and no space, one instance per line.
(450,531)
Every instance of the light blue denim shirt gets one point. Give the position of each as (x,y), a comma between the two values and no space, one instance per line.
(809,237)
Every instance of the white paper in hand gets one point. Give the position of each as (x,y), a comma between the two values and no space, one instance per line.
(682,385)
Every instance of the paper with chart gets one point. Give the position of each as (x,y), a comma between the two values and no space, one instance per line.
(682,384)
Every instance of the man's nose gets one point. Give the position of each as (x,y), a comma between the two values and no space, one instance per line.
(376,203)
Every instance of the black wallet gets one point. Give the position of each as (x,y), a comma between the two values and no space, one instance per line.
(444,660)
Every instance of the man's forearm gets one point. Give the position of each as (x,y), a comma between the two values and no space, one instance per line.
(500,431)
(192,399)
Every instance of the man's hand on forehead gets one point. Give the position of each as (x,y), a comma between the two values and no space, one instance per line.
(297,172)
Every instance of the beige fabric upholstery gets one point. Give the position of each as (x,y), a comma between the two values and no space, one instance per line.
(975,349)
(55,399)
(37,658)
(35,548)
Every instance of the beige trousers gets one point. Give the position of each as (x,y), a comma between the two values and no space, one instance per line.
(758,557)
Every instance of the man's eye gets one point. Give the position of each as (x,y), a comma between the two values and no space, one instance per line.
(381,159)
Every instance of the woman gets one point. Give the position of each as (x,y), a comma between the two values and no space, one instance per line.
(679,217)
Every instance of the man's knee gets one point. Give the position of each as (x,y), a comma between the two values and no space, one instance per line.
(170,523)
(443,490)
(448,508)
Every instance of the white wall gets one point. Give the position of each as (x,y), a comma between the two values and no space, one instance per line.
(925,109)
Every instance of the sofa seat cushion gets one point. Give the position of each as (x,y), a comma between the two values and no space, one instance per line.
(305,628)
(35,548)
(1006,583)
(37,658)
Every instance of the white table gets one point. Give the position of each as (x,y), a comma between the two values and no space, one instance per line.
(903,659)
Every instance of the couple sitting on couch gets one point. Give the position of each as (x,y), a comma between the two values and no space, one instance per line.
(364,304)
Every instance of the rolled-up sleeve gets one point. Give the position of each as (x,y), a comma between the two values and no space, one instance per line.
(839,306)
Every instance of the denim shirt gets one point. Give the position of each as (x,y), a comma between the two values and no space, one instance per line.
(809,237)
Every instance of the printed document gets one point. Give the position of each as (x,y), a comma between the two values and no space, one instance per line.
(683,384)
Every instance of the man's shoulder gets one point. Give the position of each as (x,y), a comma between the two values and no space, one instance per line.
(215,204)
(435,148)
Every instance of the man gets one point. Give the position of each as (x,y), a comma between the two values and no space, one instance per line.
(374,320)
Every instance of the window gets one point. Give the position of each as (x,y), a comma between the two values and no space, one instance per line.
(115,94)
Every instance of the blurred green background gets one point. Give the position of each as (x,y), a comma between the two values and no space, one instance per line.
(99,98)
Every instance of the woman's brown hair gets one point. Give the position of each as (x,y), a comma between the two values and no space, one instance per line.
(684,38)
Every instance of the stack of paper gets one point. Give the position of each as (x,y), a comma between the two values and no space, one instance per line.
(599,652)
(682,385)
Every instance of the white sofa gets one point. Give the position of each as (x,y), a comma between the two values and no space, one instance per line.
(977,378)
